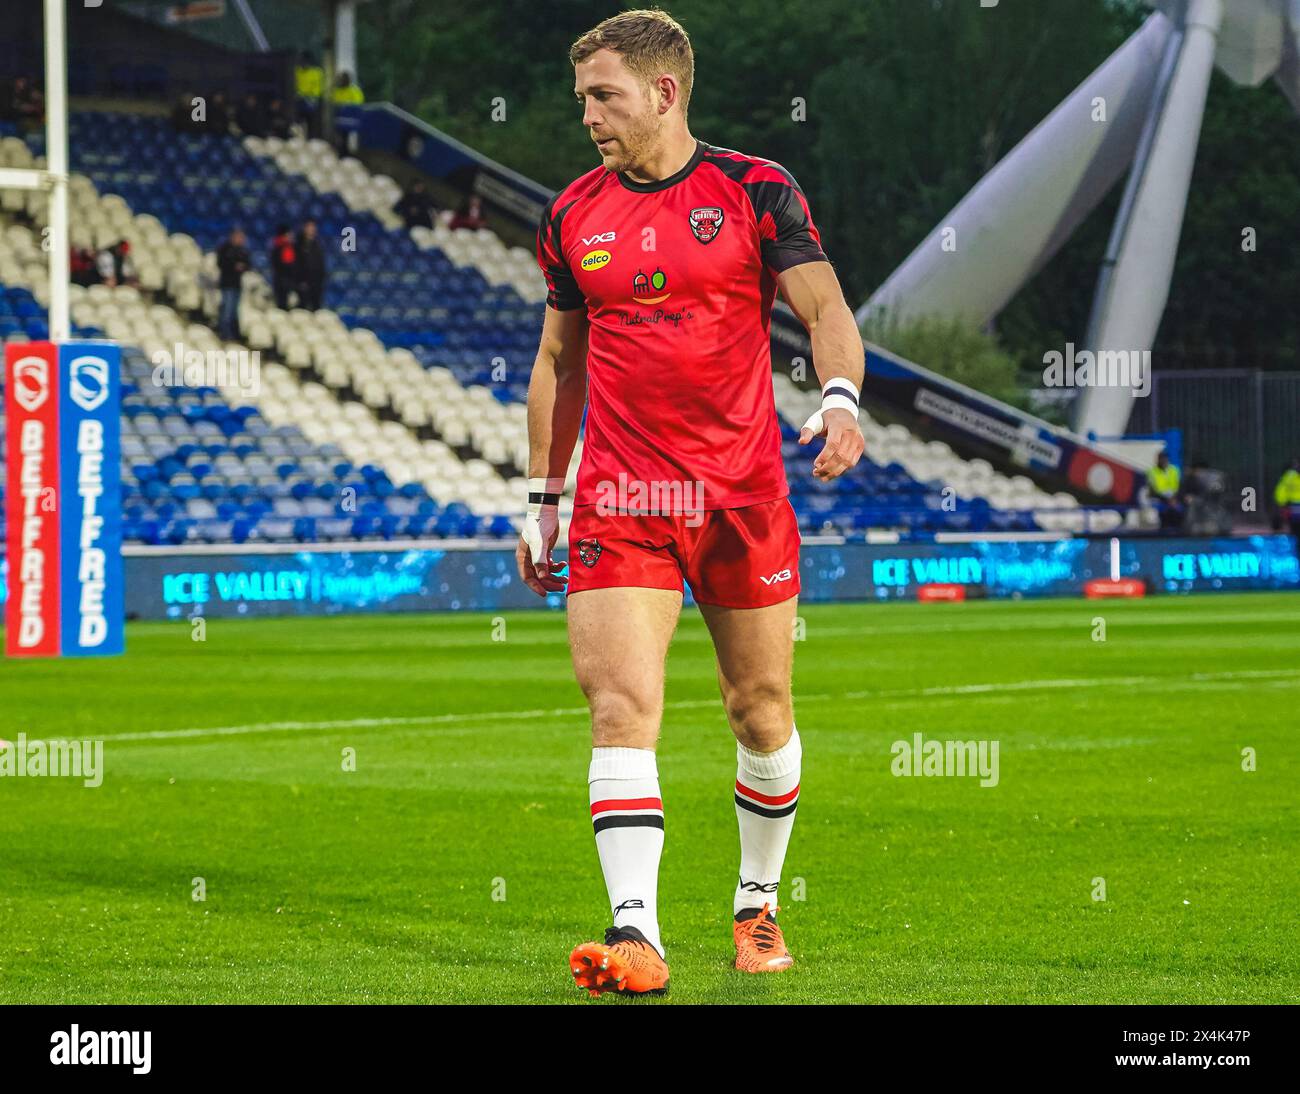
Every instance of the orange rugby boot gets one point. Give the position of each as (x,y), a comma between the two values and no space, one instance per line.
(760,946)
(625,963)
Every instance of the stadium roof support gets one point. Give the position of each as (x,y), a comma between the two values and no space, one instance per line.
(1019,214)
(1024,209)
(1131,302)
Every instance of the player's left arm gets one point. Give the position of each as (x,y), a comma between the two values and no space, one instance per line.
(813,292)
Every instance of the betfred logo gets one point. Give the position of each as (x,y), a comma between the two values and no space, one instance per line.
(90,578)
(63,500)
(31,379)
(89,380)
(32,501)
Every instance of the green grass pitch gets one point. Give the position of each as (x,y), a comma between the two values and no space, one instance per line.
(456,863)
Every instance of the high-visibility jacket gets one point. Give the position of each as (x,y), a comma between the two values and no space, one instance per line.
(349,96)
(309,81)
(1288,488)
(1164,480)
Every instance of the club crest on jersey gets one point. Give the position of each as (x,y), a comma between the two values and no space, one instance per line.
(706,222)
(589,551)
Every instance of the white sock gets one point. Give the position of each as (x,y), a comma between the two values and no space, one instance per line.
(767,792)
(628,816)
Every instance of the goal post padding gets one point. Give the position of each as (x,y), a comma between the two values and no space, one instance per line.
(63,507)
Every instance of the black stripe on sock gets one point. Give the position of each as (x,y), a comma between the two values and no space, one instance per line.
(784,811)
(619,820)
(535,498)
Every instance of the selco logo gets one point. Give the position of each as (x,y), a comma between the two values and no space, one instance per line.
(594,260)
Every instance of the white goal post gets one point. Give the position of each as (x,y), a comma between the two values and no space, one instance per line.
(53,179)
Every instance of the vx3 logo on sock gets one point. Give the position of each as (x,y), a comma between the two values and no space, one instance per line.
(628,905)
(758,886)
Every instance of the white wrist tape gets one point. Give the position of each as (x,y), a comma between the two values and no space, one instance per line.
(543,492)
(840,394)
(542,522)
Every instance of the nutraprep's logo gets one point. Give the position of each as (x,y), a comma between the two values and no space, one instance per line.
(89,382)
(650,290)
(31,383)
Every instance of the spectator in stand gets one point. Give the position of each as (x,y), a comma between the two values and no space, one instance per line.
(1286,495)
(1205,496)
(251,118)
(115,266)
(81,266)
(233,261)
(284,266)
(278,122)
(416,207)
(310,268)
(1164,482)
(22,103)
(309,83)
(470,214)
(218,115)
(183,119)
(346,92)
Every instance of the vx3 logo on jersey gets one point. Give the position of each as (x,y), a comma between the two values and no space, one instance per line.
(604,237)
(780,575)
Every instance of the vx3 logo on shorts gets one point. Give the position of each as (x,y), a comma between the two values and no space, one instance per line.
(629,905)
(589,551)
(780,575)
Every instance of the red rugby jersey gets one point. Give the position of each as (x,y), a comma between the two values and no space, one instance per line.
(678,278)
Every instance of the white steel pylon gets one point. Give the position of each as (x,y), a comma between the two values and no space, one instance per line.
(1141,112)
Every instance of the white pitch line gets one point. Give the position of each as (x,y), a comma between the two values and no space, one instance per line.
(375,723)
(688,704)
(1085,682)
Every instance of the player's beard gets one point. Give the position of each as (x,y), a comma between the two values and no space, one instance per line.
(636,142)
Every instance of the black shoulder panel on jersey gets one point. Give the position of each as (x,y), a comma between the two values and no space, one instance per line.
(562,293)
(785,226)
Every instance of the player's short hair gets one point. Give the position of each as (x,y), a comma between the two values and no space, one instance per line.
(651,42)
